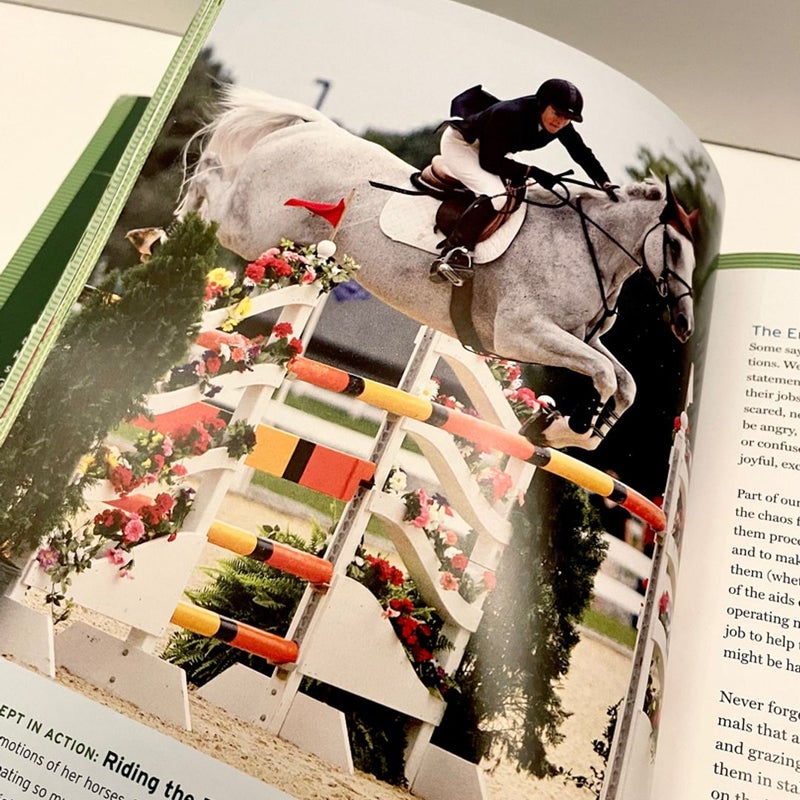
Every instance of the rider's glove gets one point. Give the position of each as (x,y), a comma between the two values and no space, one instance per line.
(545,179)
(611,190)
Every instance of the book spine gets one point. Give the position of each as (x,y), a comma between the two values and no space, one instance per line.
(33,350)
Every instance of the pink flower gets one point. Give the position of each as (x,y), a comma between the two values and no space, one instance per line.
(179,470)
(133,531)
(459,561)
(450,538)
(309,276)
(448,582)
(527,397)
(166,447)
(115,556)
(489,580)
(47,557)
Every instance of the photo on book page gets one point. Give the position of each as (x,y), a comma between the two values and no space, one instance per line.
(444,567)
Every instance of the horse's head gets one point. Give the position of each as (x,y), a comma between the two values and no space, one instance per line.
(668,253)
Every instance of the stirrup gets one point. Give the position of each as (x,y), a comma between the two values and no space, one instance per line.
(455,266)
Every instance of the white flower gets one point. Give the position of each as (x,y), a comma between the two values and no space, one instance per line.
(430,390)
(397,481)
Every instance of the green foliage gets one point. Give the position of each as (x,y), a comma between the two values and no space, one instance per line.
(266,598)
(108,357)
(249,592)
(155,195)
(416,148)
(509,705)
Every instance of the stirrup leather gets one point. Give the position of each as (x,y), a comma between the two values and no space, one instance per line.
(455,266)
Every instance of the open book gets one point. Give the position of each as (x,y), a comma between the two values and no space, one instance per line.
(261,499)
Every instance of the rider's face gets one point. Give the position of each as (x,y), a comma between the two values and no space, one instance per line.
(552,121)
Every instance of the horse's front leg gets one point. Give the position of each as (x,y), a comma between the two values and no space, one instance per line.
(551,346)
(622,399)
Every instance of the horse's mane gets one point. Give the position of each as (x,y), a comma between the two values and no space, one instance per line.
(648,189)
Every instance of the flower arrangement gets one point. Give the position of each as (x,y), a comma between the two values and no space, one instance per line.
(430,514)
(156,456)
(417,626)
(485,464)
(110,534)
(285,265)
(227,352)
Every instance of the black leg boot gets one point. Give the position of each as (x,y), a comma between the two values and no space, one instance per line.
(455,262)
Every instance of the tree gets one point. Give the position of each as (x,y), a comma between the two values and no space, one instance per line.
(509,705)
(110,354)
(155,195)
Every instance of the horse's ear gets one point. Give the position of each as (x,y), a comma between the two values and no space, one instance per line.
(674,214)
(670,210)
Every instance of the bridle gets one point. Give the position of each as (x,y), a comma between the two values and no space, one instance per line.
(662,280)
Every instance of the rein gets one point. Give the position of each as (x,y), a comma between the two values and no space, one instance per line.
(662,281)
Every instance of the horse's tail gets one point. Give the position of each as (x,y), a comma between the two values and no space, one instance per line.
(246,117)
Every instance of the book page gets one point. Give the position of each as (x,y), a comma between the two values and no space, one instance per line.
(290,520)
(730,719)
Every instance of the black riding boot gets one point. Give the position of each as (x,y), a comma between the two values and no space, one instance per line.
(455,262)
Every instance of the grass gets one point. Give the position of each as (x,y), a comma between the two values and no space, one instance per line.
(611,628)
(317,501)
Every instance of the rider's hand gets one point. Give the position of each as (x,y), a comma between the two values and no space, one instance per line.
(611,190)
(545,179)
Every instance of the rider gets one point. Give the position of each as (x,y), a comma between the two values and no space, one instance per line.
(481,134)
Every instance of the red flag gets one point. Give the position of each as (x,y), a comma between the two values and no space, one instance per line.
(332,212)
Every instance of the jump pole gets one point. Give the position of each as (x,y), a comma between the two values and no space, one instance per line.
(203,622)
(478,431)
(315,570)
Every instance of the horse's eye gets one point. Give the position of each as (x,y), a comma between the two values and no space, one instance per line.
(674,246)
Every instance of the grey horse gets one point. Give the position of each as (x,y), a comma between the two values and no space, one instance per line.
(543,301)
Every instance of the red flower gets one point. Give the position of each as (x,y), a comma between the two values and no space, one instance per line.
(165,502)
(403,605)
(122,479)
(213,363)
(421,654)
(255,272)
(489,580)
(282,330)
(296,346)
(278,266)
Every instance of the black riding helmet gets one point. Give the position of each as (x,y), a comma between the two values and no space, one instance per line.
(563,96)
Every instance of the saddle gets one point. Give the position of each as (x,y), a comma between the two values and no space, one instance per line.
(456,199)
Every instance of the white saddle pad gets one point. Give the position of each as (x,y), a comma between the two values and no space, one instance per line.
(410,219)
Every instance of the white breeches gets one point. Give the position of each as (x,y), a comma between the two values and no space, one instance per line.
(462,161)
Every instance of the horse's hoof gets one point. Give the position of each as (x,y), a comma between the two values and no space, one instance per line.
(533,429)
